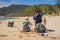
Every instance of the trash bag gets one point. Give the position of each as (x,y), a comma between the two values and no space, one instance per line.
(10,24)
(41,28)
(26,28)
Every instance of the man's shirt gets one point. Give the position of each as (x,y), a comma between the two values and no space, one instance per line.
(38,18)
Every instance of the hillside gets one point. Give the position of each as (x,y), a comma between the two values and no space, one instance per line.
(12,9)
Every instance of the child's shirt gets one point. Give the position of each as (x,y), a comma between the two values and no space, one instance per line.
(26,23)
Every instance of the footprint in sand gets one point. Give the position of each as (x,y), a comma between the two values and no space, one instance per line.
(33,35)
(18,28)
(53,37)
(20,36)
(14,34)
(59,37)
(0,22)
(3,35)
(28,35)
(27,32)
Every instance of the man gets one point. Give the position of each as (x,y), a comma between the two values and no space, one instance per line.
(38,19)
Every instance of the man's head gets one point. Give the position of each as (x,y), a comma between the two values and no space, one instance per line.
(36,12)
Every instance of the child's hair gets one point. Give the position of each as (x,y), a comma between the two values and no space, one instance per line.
(26,18)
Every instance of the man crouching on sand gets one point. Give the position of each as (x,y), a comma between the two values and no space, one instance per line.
(38,20)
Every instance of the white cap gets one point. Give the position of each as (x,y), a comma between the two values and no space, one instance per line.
(26,17)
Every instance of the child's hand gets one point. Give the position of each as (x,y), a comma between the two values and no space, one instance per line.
(30,25)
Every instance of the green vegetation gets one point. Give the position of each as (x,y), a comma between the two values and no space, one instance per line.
(27,10)
(45,9)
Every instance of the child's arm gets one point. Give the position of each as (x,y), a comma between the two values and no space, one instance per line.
(23,23)
(30,24)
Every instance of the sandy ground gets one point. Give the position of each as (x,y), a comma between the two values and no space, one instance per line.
(14,33)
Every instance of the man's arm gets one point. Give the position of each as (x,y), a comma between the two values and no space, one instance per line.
(44,20)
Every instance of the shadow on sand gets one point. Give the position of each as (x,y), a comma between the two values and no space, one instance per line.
(50,30)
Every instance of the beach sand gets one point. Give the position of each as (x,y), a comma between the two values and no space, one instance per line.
(15,33)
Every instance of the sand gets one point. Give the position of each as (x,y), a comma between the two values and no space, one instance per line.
(15,33)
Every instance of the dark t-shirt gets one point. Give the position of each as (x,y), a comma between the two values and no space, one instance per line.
(38,18)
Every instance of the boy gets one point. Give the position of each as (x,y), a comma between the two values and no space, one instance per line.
(26,25)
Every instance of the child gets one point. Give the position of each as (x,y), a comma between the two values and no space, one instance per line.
(26,25)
